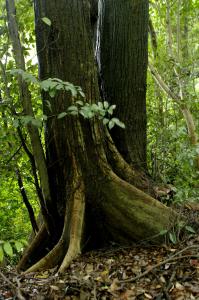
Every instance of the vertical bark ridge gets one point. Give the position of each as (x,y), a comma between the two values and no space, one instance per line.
(122,53)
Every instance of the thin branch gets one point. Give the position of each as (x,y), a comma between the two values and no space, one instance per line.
(178,31)
(13,155)
(183,107)
(16,289)
(162,84)
(172,258)
(33,166)
(26,202)
(169,31)
(153,38)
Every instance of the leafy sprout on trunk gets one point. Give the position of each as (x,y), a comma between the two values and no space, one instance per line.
(102,110)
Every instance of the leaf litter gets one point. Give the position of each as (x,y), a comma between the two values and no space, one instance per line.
(138,272)
(141,272)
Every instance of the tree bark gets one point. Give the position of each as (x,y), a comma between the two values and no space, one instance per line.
(93,203)
(122,59)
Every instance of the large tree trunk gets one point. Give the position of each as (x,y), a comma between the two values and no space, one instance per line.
(89,197)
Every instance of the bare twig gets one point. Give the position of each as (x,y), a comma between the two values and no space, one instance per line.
(15,288)
(19,294)
(171,258)
(7,280)
(167,288)
(164,289)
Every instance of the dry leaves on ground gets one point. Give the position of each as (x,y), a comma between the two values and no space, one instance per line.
(118,273)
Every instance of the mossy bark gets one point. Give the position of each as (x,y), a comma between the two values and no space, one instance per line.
(131,214)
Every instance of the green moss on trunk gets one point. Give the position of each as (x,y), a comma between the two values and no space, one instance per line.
(133,215)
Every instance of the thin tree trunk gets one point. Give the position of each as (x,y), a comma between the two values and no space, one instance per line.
(28,111)
(190,123)
(26,202)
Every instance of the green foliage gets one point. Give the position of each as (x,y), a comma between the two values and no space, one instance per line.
(171,157)
(173,235)
(13,214)
(46,21)
(14,219)
(11,248)
(101,110)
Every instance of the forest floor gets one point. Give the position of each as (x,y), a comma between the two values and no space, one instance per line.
(169,271)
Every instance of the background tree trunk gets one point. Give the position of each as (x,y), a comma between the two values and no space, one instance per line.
(122,59)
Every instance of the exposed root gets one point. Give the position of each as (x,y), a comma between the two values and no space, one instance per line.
(51,260)
(34,245)
(76,229)
(126,172)
(132,214)
(73,224)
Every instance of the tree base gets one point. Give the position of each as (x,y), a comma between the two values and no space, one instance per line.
(128,215)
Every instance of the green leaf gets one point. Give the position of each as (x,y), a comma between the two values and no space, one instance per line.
(83,113)
(73,113)
(190,229)
(36,122)
(24,242)
(45,85)
(95,107)
(26,119)
(61,115)
(57,80)
(44,117)
(100,104)
(73,108)
(47,21)
(82,94)
(106,104)
(111,124)
(52,93)
(26,76)
(29,78)
(18,246)
(90,114)
(172,237)
(197,149)
(86,111)
(70,87)
(180,224)
(81,103)
(16,123)
(102,112)
(163,232)
(105,121)
(53,84)
(2,30)
(118,122)
(59,87)
(111,109)
(1,254)
(8,249)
